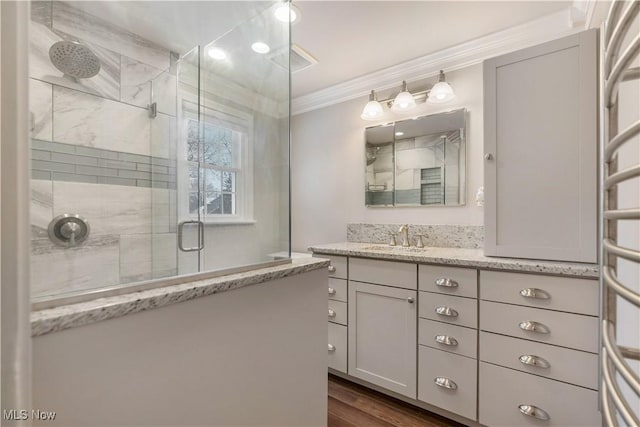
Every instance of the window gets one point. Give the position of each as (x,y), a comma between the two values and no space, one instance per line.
(217,171)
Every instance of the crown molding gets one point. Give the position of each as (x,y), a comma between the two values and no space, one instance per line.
(537,31)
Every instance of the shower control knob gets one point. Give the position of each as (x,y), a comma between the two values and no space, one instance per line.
(68,230)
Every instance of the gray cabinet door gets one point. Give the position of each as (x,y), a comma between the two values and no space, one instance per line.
(382,336)
(540,142)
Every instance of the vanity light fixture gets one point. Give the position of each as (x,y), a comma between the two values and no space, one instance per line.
(405,101)
(441,92)
(373,110)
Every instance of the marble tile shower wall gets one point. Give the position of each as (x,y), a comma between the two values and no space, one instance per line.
(97,153)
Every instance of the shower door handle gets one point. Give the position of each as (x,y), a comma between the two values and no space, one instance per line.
(200,236)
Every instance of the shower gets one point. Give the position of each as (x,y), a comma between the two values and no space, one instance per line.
(75,60)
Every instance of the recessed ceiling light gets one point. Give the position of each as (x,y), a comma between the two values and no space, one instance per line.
(260,47)
(217,53)
(399,133)
(286,13)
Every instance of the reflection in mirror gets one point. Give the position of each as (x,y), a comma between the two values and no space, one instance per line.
(423,159)
(379,152)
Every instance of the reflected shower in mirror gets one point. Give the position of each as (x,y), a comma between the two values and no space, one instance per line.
(417,162)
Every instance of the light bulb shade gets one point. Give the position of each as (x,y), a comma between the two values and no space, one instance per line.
(440,93)
(372,111)
(404,101)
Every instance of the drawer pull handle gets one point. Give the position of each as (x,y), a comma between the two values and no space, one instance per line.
(446,340)
(411,300)
(535,293)
(530,325)
(332,313)
(534,411)
(331,269)
(446,311)
(531,360)
(332,347)
(445,383)
(332,291)
(446,283)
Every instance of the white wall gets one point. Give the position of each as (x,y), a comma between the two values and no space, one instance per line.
(328,166)
(234,358)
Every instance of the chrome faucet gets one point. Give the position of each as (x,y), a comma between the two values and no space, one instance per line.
(405,235)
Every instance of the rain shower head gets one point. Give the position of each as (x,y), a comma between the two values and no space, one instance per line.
(74,60)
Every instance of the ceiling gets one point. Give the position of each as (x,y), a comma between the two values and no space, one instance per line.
(348,38)
(352,38)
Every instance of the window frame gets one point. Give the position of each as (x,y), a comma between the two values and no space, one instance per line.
(241,124)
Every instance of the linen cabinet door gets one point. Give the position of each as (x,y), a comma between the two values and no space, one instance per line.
(540,169)
(382,336)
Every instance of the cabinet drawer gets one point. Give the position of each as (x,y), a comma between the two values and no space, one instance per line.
(564,329)
(571,366)
(448,280)
(338,347)
(555,293)
(461,376)
(338,289)
(462,311)
(337,312)
(503,390)
(447,337)
(338,267)
(390,273)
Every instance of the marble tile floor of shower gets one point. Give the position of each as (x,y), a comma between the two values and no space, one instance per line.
(351,405)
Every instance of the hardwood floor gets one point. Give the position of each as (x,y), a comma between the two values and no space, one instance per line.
(351,405)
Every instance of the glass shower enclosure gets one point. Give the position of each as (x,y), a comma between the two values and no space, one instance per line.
(153,158)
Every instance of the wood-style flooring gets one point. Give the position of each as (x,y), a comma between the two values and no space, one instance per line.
(351,405)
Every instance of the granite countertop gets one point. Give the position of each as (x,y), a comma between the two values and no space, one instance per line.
(457,257)
(80,314)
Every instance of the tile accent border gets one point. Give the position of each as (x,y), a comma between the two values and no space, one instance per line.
(55,161)
(444,236)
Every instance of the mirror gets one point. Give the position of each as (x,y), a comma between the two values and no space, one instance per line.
(417,162)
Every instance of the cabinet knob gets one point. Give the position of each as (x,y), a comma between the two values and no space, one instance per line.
(531,326)
(446,340)
(445,383)
(488,156)
(535,293)
(411,300)
(446,311)
(531,360)
(331,269)
(332,313)
(332,347)
(534,411)
(332,291)
(445,282)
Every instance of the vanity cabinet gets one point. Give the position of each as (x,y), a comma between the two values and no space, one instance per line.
(382,336)
(540,143)
(538,340)
(448,338)
(491,347)
(338,297)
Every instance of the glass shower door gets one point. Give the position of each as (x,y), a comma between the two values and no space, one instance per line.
(178,236)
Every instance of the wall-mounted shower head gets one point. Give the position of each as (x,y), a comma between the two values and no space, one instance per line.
(74,60)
